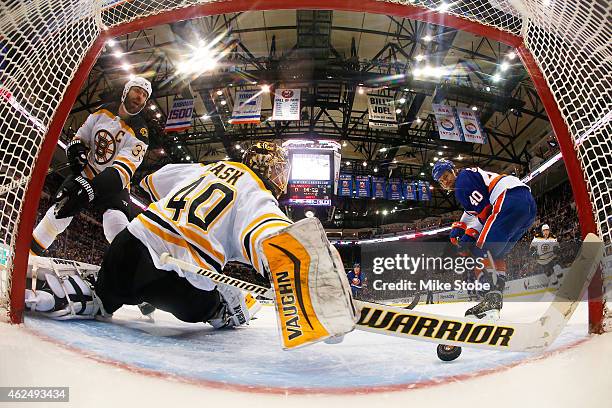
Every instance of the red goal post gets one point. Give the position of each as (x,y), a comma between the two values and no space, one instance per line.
(48,48)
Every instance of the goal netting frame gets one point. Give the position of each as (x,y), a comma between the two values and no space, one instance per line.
(47,49)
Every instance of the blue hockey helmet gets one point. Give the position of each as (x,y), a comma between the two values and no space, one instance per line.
(440,167)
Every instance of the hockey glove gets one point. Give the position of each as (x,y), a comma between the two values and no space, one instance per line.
(77,156)
(467,241)
(457,231)
(74,195)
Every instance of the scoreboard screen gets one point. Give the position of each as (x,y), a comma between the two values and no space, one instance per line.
(307,192)
(311,180)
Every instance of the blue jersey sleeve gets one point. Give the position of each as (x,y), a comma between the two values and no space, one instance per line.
(471,191)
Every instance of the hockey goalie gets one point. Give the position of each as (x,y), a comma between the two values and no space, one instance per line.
(207,215)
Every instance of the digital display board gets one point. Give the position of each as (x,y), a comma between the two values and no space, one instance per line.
(309,192)
(310,166)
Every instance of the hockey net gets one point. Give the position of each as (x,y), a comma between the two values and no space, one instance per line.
(48,47)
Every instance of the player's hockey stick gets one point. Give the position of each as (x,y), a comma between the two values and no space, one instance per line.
(462,331)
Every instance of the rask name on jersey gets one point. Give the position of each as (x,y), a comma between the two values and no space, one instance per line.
(207,215)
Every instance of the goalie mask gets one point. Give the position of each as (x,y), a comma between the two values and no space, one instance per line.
(271,163)
(139,82)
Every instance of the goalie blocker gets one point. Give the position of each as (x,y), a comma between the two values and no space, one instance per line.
(313,297)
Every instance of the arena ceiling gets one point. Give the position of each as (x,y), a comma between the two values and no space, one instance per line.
(336,58)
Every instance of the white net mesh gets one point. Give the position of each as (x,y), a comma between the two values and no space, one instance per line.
(43,43)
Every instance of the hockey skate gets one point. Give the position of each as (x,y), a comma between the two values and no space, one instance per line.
(489,308)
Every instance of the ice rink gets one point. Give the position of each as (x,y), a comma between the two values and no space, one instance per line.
(166,363)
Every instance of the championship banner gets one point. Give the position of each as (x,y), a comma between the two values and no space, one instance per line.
(179,117)
(287,104)
(345,185)
(424,193)
(378,187)
(247,108)
(362,186)
(470,125)
(381,111)
(394,189)
(448,126)
(410,190)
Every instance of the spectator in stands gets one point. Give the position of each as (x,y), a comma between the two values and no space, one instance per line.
(356,279)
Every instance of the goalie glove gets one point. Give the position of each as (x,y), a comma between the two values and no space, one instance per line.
(312,293)
(457,231)
(74,195)
(76,152)
(236,309)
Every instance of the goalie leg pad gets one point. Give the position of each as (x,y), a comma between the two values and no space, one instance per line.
(63,297)
(313,297)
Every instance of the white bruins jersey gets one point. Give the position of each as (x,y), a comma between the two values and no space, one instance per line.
(207,215)
(113,142)
(545,248)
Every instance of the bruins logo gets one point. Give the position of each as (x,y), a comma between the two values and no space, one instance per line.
(106,147)
(144,132)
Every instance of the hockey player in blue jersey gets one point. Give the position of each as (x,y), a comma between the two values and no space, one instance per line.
(499,209)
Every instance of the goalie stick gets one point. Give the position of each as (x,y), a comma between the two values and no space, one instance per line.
(461,331)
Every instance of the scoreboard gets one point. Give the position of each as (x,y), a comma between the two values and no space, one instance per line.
(310,192)
(313,173)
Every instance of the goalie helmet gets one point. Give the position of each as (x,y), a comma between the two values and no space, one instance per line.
(440,168)
(141,83)
(271,163)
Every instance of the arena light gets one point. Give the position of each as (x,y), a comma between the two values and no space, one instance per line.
(474,108)
(420,57)
(223,102)
(309,214)
(496,77)
(364,164)
(398,110)
(385,212)
(152,107)
(360,91)
(344,144)
(205,117)
(402,100)
(504,66)
(126,66)
(238,147)
(158,115)
(418,120)
(265,88)
(375,169)
(382,149)
(417,72)
(219,92)
(111,42)
(511,55)
(427,38)
(348,163)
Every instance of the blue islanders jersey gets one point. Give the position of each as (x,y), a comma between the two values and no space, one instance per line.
(478,190)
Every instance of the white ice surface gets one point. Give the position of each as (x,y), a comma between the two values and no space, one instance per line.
(174,363)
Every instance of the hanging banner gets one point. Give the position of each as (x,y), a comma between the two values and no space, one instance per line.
(424,193)
(247,108)
(362,186)
(448,126)
(179,117)
(470,125)
(286,104)
(378,187)
(394,189)
(410,192)
(381,110)
(345,185)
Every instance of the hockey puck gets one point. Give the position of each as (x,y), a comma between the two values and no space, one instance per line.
(448,353)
